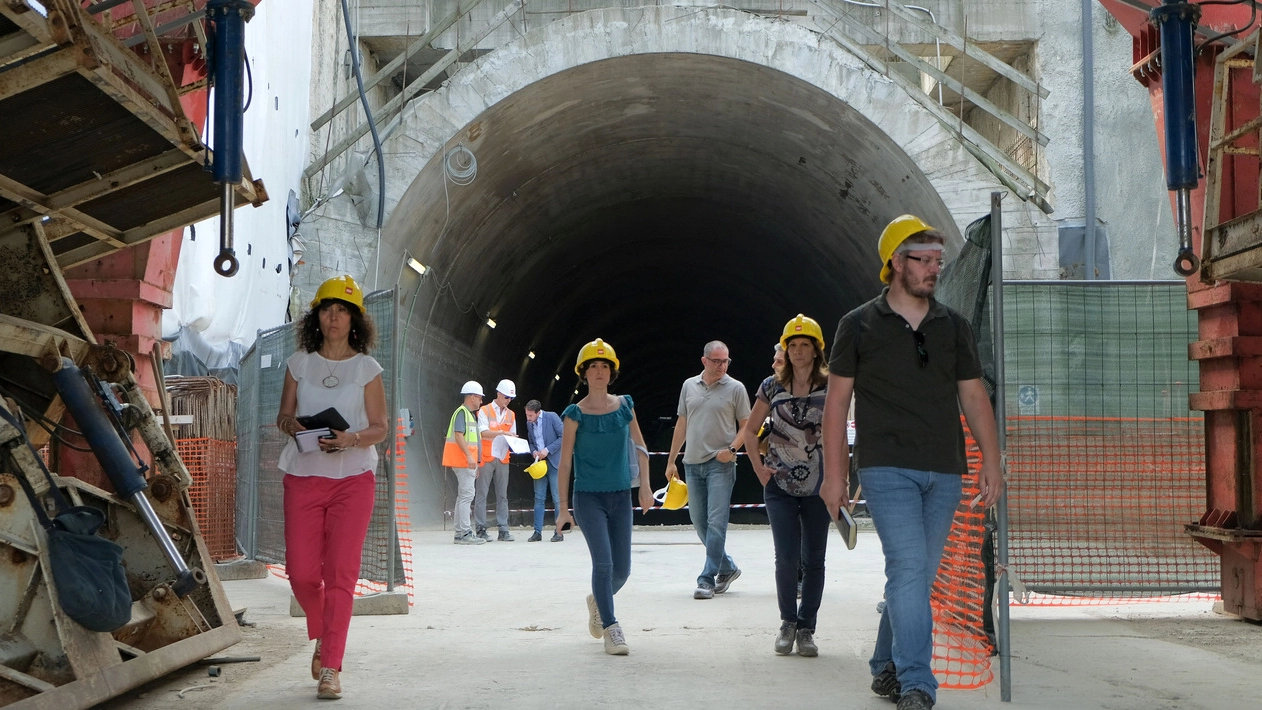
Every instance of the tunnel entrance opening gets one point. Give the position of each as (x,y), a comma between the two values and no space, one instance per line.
(657,201)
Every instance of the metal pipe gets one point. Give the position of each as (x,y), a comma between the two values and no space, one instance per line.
(1176,22)
(228,73)
(186,579)
(226,263)
(1003,627)
(1186,262)
(1088,137)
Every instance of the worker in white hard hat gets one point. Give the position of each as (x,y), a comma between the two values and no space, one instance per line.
(495,420)
(461,453)
(913,366)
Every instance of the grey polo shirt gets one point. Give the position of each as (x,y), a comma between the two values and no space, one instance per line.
(906,415)
(714,413)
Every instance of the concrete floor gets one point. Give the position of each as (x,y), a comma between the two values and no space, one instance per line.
(503,625)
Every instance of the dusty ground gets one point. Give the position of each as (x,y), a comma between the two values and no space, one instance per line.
(503,625)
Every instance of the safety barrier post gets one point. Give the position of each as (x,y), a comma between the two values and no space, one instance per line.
(1002,628)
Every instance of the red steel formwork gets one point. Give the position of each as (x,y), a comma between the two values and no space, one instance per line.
(1229,345)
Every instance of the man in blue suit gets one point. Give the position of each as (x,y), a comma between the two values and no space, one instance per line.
(543,430)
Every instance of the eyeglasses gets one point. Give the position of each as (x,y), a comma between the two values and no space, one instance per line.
(721,363)
(919,337)
(928,260)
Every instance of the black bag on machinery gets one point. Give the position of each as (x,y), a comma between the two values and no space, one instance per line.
(87,570)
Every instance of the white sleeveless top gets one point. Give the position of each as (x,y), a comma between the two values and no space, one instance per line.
(311,372)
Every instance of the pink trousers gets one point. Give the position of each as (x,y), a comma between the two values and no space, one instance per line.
(326,520)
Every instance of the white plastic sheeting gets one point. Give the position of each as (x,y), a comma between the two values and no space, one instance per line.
(278,44)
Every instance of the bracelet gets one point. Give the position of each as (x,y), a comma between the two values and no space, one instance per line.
(356,440)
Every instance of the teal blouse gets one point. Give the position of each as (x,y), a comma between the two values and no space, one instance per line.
(600,448)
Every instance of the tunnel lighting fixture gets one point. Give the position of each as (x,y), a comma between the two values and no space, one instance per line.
(490,323)
(557,378)
(531,354)
(417,266)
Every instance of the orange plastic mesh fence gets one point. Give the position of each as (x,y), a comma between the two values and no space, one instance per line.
(403,523)
(213,465)
(961,652)
(378,546)
(1097,507)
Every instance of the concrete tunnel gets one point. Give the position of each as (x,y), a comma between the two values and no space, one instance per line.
(658,201)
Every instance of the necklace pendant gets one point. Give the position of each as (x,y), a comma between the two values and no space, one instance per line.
(331,381)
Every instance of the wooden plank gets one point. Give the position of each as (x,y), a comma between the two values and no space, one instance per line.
(1034,188)
(27,681)
(1214,167)
(15,45)
(969,49)
(388,70)
(107,183)
(31,22)
(140,234)
(951,83)
(156,54)
(17,192)
(38,72)
(401,99)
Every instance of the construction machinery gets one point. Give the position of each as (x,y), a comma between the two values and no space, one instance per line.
(1199,62)
(102,160)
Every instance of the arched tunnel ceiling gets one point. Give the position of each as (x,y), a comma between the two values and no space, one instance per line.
(658,201)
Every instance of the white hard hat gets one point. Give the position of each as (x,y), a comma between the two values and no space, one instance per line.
(472,387)
(507,388)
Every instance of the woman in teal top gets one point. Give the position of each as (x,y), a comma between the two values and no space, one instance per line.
(594,441)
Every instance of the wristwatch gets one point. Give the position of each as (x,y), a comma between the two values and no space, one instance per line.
(732,449)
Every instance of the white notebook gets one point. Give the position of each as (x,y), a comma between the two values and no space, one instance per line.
(309,439)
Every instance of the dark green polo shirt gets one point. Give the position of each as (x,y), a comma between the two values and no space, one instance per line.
(906,415)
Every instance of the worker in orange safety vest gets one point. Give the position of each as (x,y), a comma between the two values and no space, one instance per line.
(495,420)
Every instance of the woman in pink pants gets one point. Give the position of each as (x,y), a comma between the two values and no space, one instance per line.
(329,490)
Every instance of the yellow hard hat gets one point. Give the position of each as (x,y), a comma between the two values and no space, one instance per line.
(802,326)
(896,232)
(538,469)
(595,350)
(343,288)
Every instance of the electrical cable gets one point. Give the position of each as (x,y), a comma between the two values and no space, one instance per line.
(249,75)
(1253,17)
(372,122)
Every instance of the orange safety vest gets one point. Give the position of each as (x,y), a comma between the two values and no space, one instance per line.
(453,456)
(494,424)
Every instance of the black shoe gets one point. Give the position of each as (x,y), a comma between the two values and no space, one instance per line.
(885,683)
(915,699)
(505,537)
(536,537)
(558,537)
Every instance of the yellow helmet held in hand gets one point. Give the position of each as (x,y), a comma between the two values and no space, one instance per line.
(595,350)
(343,288)
(538,469)
(802,326)
(896,232)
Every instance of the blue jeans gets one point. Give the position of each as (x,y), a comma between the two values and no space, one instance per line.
(799,529)
(605,519)
(912,511)
(541,494)
(709,499)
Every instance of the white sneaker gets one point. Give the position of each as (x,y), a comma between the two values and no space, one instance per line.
(595,626)
(615,641)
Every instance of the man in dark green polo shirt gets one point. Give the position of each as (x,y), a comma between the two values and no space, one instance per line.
(912,366)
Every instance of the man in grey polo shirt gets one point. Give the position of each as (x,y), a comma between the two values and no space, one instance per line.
(712,411)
